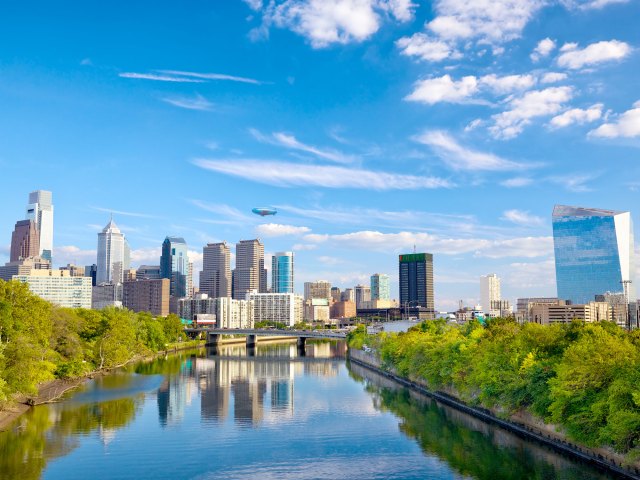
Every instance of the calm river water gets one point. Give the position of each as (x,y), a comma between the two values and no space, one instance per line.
(275,415)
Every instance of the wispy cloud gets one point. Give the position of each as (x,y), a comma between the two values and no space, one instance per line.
(190,103)
(458,157)
(516,182)
(524,218)
(574,182)
(228,213)
(211,76)
(284,174)
(180,76)
(159,78)
(289,141)
(526,247)
(123,212)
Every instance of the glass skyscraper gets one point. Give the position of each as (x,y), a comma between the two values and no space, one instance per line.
(282,272)
(594,253)
(174,265)
(40,210)
(380,289)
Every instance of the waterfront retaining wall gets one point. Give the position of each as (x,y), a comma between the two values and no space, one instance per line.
(523,427)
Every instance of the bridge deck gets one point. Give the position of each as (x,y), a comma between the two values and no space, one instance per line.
(270,333)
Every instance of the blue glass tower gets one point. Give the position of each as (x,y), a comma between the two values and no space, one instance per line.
(282,272)
(593,253)
(174,265)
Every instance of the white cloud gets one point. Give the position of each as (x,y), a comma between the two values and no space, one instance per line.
(543,49)
(553,77)
(289,141)
(458,157)
(254,4)
(327,22)
(536,103)
(298,247)
(626,125)
(577,115)
(122,212)
(516,182)
(491,22)
(146,256)
(190,103)
(426,48)
(531,275)
(279,230)
(529,247)
(178,76)
(507,83)
(443,89)
(66,254)
(520,217)
(285,174)
(574,58)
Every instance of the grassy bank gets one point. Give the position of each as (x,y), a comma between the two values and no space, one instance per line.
(584,378)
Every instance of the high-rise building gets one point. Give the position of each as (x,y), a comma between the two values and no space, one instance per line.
(215,277)
(318,289)
(174,265)
(363,295)
(91,271)
(148,272)
(416,281)
(380,289)
(282,272)
(23,267)
(147,296)
(594,253)
(113,255)
(348,295)
(25,241)
(489,291)
(40,210)
(335,294)
(249,274)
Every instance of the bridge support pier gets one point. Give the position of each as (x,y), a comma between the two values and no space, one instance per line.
(300,344)
(212,340)
(251,341)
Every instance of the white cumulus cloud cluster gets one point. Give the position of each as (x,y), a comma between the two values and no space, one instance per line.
(577,115)
(626,125)
(574,58)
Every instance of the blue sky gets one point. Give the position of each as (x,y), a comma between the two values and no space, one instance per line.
(372,125)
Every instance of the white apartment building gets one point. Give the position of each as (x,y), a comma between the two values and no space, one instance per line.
(58,287)
(489,292)
(284,308)
(232,313)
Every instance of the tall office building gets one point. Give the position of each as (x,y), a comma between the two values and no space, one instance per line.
(249,274)
(40,210)
(58,287)
(380,289)
(594,253)
(489,291)
(25,241)
(282,272)
(113,255)
(174,265)
(363,295)
(416,280)
(215,277)
(147,296)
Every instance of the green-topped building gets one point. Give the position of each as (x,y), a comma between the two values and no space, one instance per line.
(416,282)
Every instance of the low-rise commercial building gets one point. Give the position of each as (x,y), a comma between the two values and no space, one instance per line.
(316,310)
(189,308)
(58,287)
(147,296)
(547,313)
(343,309)
(106,295)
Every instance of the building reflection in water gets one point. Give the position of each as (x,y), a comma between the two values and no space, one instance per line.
(256,388)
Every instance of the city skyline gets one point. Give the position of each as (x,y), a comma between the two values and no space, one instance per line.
(368,141)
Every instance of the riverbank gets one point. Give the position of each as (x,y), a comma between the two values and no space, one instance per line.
(53,390)
(522,425)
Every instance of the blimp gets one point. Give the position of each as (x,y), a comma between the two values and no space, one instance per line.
(264,211)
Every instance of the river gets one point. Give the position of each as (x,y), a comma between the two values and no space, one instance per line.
(274,415)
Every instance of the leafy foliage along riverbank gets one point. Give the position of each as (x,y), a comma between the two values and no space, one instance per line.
(41,342)
(584,378)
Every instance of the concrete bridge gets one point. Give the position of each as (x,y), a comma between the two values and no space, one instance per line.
(214,334)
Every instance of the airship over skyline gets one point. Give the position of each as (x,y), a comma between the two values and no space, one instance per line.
(264,211)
